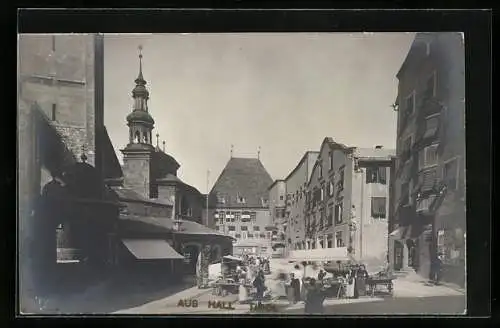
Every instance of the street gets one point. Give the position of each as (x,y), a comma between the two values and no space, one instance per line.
(422,305)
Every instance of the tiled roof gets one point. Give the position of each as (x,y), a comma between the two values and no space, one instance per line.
(150,224)
(126,194)
(243,177)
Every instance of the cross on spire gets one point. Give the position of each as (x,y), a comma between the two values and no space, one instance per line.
(258,153)
(163,145)
(157,141)
(140,62)
(232,146)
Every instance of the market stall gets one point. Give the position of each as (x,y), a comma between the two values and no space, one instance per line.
(228,281)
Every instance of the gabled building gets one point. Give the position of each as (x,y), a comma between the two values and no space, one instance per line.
(429,186)
(239,200)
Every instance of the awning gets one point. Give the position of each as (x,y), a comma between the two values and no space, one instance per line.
(398,233)
(320,255)
(149,249)
(232,258)
(401,233)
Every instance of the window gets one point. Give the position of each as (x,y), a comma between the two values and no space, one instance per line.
(240,199)
(237,216)
(331,189)
(231,228)
(430,86)
(264,202)
(378,207)
(410,103)
(329,243)
(331,160)
(450,174)
(221,200)
(320,170)
(281,197)
(428,156)
(341,180)
(262,235)
(405,194)
(228,218)
(322,194)
(189,212)
(269,234)
(238,235)
(431,126)
(338,213)
(407,144)
(253,216)
(54,112)
(244,228)
(330,216)
(250,235)
(277,212)
(376,174)
(338,237)
(256,228)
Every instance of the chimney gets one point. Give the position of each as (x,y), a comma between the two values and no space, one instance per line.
(379,147)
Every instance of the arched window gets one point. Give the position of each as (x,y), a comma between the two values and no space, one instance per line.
(137,138)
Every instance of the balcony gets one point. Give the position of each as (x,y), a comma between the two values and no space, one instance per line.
(429,105)
(425,205)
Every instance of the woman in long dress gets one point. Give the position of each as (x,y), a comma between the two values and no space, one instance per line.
(242,292)
(349,293)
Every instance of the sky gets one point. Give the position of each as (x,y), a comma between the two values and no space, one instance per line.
(284,92)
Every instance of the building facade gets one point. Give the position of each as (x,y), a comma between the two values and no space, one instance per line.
(370,201)
(295,206)
(347,202)
(239,200)
(430,179)
(328,198)
(277,211)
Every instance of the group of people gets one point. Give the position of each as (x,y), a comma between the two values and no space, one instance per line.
(252,272)
(355,281)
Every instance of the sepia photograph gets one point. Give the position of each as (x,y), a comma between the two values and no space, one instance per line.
(242,173)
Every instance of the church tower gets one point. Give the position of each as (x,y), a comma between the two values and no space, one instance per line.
(138,154)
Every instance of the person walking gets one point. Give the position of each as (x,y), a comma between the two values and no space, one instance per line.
(290,292)
(259,284)
(361,277)
(314,298)
(437,269)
